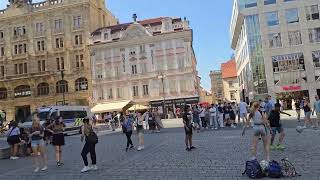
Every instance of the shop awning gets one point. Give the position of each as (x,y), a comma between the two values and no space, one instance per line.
(138,107)
(112,106)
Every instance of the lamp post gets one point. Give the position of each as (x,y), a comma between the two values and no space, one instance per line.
(63,92)
(162,76)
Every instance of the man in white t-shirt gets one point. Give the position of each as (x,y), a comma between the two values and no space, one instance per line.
(243,111)
(213,115)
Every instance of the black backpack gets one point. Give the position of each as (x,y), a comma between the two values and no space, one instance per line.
(253,170)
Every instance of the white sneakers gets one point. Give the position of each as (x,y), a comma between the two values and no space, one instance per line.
(14,157)
(37,169)
(43,169)
(87,168)
(140,148)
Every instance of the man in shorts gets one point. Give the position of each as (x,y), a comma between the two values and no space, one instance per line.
(187,122)
(243,112)
(316,108)
(276,126)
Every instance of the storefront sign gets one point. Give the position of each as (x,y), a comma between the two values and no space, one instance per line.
(291,88)
(22,93)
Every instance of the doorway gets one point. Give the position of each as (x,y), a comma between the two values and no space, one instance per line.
(22,113)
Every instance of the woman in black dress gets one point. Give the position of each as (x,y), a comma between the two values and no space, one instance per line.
(57,128)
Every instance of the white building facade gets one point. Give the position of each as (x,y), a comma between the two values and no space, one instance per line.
(138,61)
(277,48)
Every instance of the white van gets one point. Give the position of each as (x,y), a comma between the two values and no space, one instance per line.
(72,116)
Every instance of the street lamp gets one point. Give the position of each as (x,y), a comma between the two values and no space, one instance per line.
(162,76)
(63,92)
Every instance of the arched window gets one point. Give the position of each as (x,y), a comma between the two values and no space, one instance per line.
(22,91)
(43,89)
(81,84)
(3,93)
(62,86)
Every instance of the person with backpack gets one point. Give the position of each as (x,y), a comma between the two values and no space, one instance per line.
(87,134)
(187,122)
(260,126)
(13,139)
(56,129)
(127,127)
(276,126)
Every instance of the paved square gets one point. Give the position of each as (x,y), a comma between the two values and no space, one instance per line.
(220,155)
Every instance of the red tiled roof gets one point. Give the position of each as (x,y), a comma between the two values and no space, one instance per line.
(124,26)
(229,69)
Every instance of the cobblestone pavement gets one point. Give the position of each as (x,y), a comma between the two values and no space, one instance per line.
(220,155)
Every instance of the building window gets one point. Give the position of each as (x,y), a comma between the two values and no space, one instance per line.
(21,68)
(144,68)
(248,3)
(142,49)
(267,2)
(58,24)
(292,15)
(314,35)
(1,35)
(81,84)
(183,85)
(20,49)
(119,92)
(62,86)
(289,62)
(134,69)
(40,45)
(272,18)
(123,56)
(39,27)
(145,90)
(312,12)
(2,52)
(19,31)
(60,63)
(316,58)
(230,84)
(77,21)
(106,36)
(135,91)
(180,62)
(173,86)
(1,71)
(43,89)
(78,40)
(233,95)
(275,40)
(110,93)
(22,91)
(294,38)
(41,65)
(3,93)
(59,42)
(79,61)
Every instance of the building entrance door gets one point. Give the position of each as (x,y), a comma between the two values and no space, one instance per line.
(22,113)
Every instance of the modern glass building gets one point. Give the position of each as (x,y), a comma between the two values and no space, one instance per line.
(277,48)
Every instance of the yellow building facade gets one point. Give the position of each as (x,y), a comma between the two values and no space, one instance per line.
(43,53)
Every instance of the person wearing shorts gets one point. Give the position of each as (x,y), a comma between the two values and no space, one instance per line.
(316,108)
(276,127)
(140,130)
(187,122)
(260,125)
(307,113)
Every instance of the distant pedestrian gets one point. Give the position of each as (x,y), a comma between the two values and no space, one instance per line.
(13,139)
(89,147)
(127,126)
(298,109)
(47,134)
(56,129)
(220,115)
(38,147)
(276,126)
(307,113)
(316,108)
(196,118)
(243,112)
(213,115)
(187,122)
(158,122)
(140,130)
(260,126)
(202,116)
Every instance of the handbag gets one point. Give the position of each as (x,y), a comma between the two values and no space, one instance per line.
(92,137)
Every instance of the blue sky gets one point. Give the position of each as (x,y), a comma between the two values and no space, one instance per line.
(208,18)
